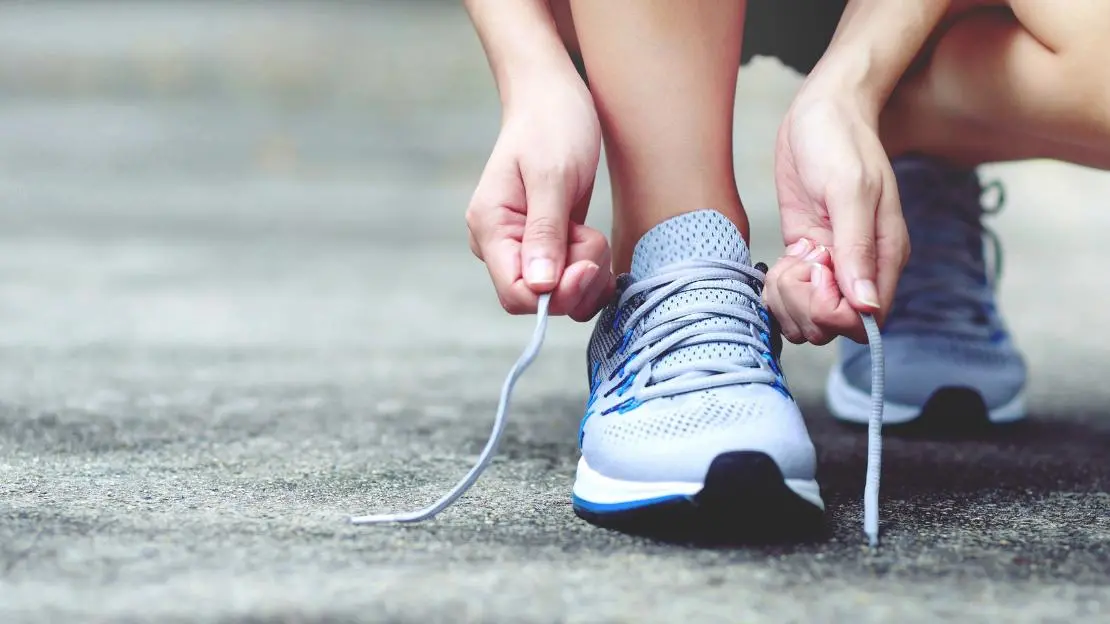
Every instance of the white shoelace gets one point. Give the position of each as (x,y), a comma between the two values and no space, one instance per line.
(874,434)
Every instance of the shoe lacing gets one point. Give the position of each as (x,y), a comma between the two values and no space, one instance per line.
(649,337)
(945,287)
(666,333)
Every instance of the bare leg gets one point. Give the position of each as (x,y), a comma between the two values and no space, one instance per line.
(1006,84)
(663,76)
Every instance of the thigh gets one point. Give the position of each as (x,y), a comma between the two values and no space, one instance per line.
(1056,25)
(1075,24)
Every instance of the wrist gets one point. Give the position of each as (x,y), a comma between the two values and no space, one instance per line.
(850,78)
(523,46)
(537,77)
(875,43)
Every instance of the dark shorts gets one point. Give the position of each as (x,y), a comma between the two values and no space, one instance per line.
(794,31)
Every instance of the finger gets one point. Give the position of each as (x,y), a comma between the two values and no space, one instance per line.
(497,233)
(773,299)
(474,248)
(502,260)
(814,301)
(495,219)
(852,205)
(589,246)
(575,280)
(799,248)
(819,254)
(582,206)
(830,314)
(893,246)
(544,250)
(595,296)
(795,290)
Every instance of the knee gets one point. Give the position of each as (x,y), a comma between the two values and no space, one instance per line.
(1077,40)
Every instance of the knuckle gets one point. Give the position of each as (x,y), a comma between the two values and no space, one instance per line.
(823,317)
(816,336)
(793,337)
(544,228)
(772,303)
(863,249)
(473,216)
(895,247)
(595,243)
(904,247)
(855,181)
(551,173)
(775,272)
(513,306)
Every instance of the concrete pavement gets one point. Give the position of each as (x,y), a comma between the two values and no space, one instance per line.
(236,304)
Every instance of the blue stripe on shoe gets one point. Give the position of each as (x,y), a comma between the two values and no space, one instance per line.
(600,508)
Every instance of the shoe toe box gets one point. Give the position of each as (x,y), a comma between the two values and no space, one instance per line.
(676,439)
(918,366)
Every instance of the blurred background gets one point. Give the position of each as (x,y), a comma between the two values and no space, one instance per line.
(149,148)
(236,303)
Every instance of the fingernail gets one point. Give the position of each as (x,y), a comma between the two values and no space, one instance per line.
(799,248)
(589,276)
(541,271)
(815,254)
(866,293)
(817,276)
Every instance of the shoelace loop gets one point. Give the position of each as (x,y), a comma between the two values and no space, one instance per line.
(652,336)
(874,434)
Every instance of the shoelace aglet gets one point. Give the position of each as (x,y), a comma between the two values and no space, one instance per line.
(529,354)
(874,433)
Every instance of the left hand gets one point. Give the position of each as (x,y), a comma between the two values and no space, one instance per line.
(841,219)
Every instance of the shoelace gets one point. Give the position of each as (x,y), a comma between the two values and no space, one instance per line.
(660,334)
(874,433)
(942,287)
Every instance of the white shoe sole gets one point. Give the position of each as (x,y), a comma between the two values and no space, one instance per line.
(597,493)
(850,404)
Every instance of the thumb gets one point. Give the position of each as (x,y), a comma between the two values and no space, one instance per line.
(852,212)
(544,246)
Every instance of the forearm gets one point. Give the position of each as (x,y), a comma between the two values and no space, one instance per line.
(522,44)
(874,45)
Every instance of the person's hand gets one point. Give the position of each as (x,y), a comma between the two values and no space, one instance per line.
(526,218)
(841,220)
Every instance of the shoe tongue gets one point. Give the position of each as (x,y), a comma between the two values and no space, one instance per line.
(928,186)
(942,205)
(701,235)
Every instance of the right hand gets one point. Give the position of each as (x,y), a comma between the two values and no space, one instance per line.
(527,215)
(841,219)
